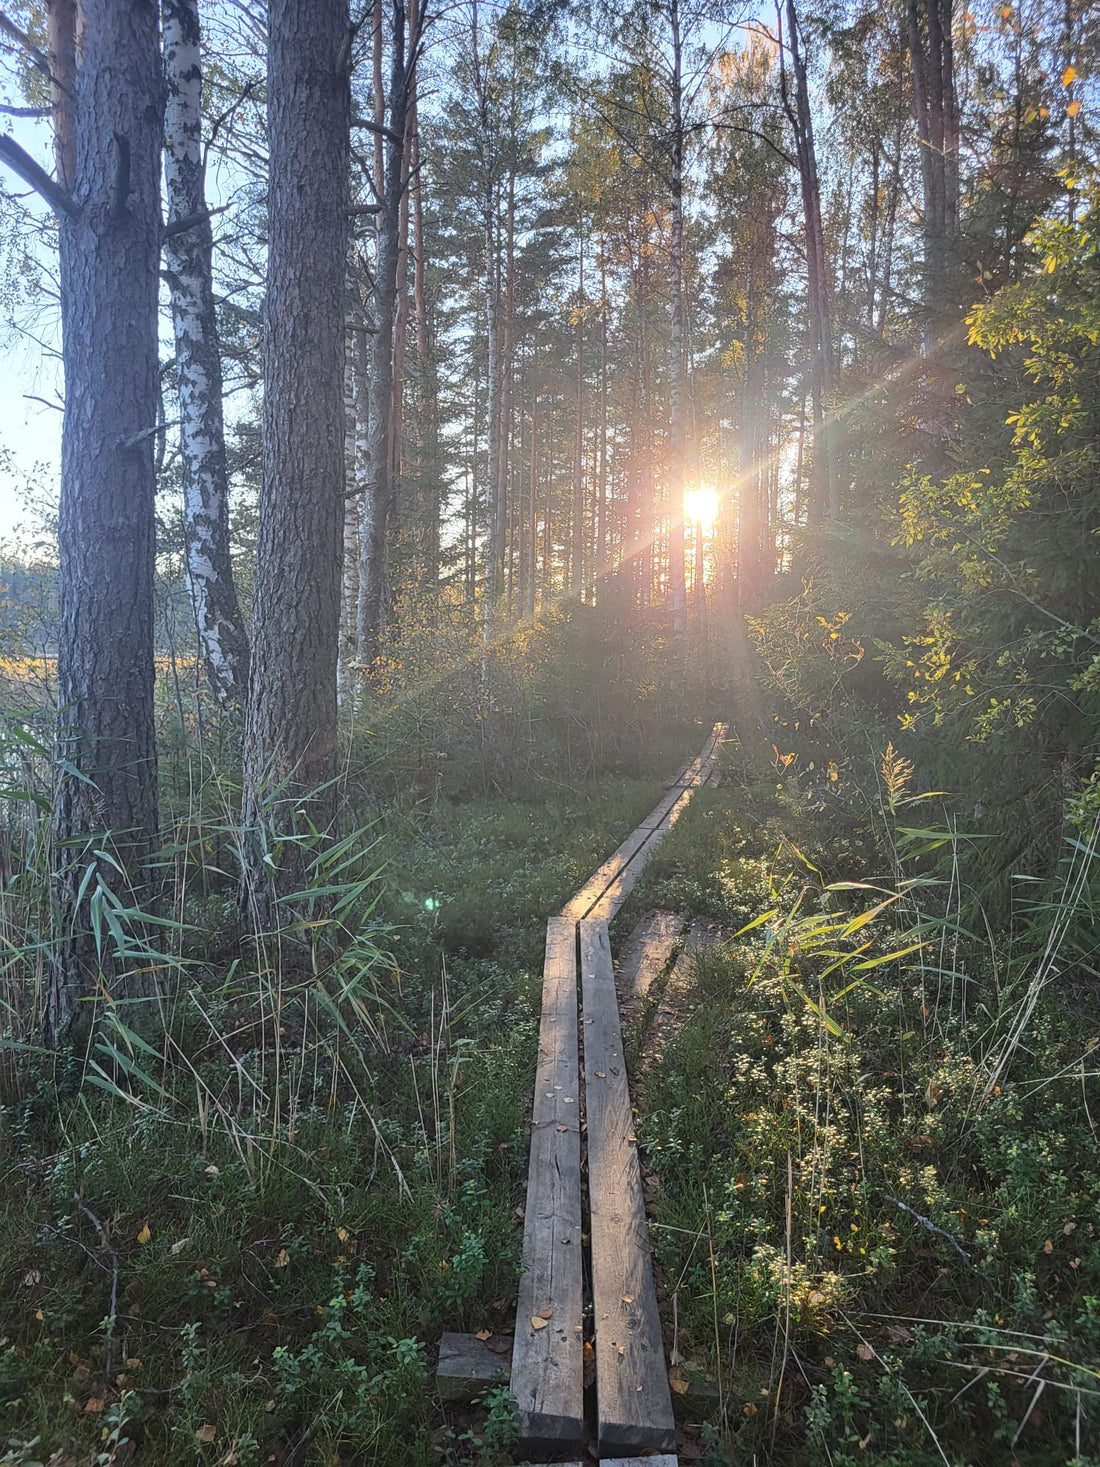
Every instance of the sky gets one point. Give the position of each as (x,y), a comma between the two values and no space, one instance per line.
(29,431)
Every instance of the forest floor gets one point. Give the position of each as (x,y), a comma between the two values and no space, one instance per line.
(242,1248)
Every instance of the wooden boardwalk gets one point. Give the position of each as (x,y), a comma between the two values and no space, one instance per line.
(633,1410)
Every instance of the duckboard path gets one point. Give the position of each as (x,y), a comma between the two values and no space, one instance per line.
(633,1401)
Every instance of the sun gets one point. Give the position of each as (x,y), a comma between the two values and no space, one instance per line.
(701,506)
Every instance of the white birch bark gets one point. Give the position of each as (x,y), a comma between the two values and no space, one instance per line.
(188,268)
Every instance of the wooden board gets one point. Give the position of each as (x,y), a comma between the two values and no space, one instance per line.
(604,892)
(664,1460)
(645,953)
(634,1405)
(579,905)
(547,1364)
(467,1365)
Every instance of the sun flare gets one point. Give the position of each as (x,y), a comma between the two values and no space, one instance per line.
(701,506)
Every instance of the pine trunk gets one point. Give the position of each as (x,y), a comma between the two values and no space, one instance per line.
(378,500)
(678,406)
(109,106)
(290,731)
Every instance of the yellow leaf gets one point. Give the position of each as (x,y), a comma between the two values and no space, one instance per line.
(537,1322)
(206,1433)
(678,1381)
(1069,76)
(483,1334)
(343,1234)
(145,1234)
(865,1352)
(1073,109)
(1048,1246)
(282,1259)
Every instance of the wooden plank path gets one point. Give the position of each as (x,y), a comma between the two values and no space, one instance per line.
(548,1352)
(633,1403)
(604,893)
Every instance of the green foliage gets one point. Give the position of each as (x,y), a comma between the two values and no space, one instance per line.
(878,1243)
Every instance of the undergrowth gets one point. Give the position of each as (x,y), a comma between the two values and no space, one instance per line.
(233,1230)
(871,1137)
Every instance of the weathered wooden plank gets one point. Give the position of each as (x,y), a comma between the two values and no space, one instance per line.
(664,1460)
(660,812)
(613,881)
(467,1365)
(645,953)
(634,1406)
(547,1363)
(579,905)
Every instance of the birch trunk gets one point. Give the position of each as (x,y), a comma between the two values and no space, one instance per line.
(188,257)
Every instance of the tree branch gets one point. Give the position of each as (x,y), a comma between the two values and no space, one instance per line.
(40,59)
(380,128)
(191,221)
(21,163)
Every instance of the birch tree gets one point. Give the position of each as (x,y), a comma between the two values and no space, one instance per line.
(188,254)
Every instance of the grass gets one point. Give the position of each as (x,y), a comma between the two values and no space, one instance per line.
(876,1255)
(234,1236)
(874,1180)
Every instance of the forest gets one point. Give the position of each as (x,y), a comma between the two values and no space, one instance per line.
(550,733)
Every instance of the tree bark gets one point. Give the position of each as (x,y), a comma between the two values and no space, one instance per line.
(290,730)
(936,107)
(677,396)
(189,270)
(377,505)
(827,496)
(108,102)
(576,581)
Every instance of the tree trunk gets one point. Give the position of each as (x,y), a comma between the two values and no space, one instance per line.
(108,103)
(827,496)
(348,658)
(290,730)
(378,500)
(576,580)
(935,104)
(533,494)
(189,272)
(677,395)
